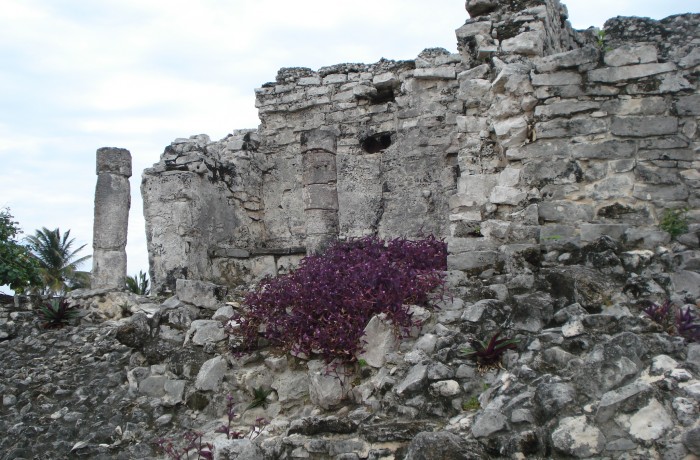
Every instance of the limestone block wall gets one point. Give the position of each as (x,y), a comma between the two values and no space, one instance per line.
(597,140)
(531,135)
(201,202)
(393,126)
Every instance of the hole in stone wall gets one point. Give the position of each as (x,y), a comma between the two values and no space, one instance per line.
(376,142)
(383,95)
(251,142)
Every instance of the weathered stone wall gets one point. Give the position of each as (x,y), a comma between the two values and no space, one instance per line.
(200,201)
(531,134)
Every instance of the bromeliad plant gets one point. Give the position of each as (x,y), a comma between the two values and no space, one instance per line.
(488,354)
(675,321)
(662,315)
(687,326)
(260,395)
(323,306)
(57,313)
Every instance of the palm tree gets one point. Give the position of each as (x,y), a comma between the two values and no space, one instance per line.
(138,284)
(58,261)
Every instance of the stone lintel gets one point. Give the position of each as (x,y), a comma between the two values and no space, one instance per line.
(318,139)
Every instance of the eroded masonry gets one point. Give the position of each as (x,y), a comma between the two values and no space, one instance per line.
(532,133)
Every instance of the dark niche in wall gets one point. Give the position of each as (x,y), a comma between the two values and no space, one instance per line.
(251,141)
(376,142)
(383,95)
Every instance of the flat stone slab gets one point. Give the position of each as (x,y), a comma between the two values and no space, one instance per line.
(200,293)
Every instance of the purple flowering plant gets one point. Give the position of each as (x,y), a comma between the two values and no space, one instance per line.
(323,306)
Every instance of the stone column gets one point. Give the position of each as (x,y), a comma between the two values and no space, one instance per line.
(112,202)
(320,191)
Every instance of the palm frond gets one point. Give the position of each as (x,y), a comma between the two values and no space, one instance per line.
(59,262)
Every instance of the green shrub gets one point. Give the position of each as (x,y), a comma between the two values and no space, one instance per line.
(472,404)
(675,221)
(18,267)
(138,284)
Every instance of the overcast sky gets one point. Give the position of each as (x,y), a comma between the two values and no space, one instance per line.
(78,75)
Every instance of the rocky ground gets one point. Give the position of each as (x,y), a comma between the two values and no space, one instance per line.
(591,376)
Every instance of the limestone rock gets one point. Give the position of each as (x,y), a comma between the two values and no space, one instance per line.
(643,53)
(326,389)
(687,281)
(210,374)
(204,331)
(442,445)
(488,423)
(479,7)
(691,440)
(236,449)
(134,332)
(414,380)
(552,398)
(379,340)
(446,388)
(200,293)
(626,396)
(568,59)
(616,74)
(649,423)
(527,43)
(291,387)
(575,436)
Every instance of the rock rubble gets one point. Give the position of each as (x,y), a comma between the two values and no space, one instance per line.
(591,377)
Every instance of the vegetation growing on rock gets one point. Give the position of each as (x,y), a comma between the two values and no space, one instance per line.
(58,261)
(323,306)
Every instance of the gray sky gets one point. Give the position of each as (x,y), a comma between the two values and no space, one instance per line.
(77,75)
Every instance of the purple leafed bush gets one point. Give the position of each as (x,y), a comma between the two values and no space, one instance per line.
(659,313)
(685,325)
(323,306)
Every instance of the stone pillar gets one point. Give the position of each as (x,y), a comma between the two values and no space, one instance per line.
(320,191)
(112,202)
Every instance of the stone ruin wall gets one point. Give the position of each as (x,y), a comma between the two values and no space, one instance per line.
(532,134)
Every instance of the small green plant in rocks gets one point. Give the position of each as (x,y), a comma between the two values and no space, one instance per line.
(674,221)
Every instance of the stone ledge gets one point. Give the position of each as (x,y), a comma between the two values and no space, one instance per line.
(246,253)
